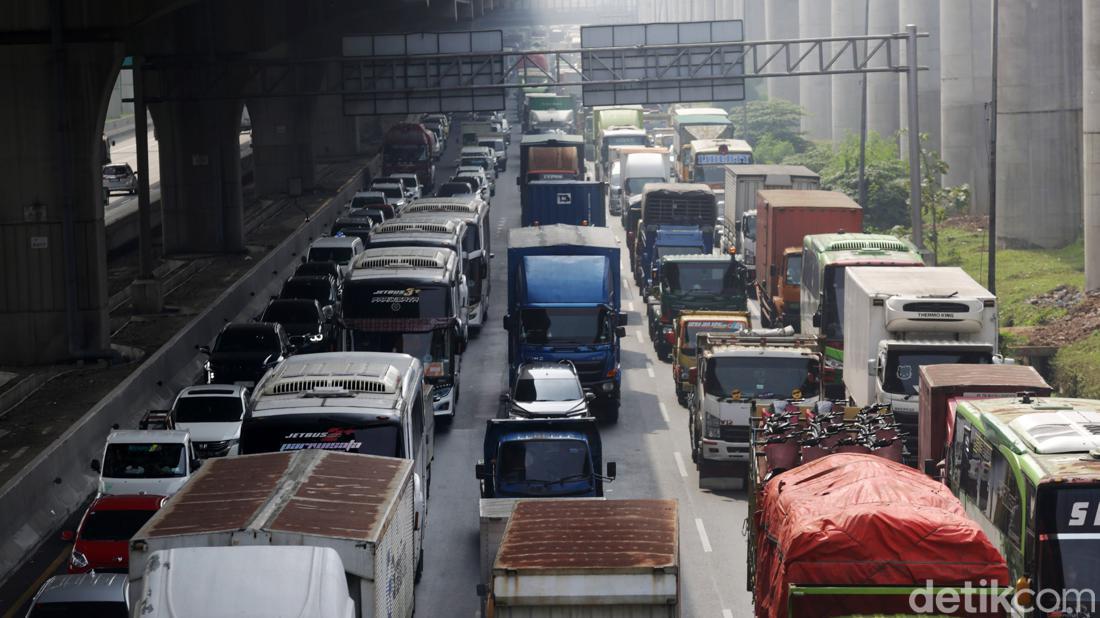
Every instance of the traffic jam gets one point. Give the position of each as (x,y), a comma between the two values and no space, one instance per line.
(893,461)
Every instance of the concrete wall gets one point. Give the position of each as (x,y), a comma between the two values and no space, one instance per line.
(1039,123)
(966,83)
(781,22)
(846,20)
(883,99)
(926,15)
(815,93)
(1091,154)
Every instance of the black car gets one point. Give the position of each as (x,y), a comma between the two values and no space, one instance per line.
(326,269)
(320,288)
(242,353)
(311,328)
(452,189)
(353,226)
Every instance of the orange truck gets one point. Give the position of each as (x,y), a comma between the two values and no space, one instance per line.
(783,219)
(687,326)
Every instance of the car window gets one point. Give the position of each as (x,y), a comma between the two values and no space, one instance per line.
(113,525)
(208,410)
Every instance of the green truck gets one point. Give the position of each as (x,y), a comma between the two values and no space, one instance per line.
(695,283)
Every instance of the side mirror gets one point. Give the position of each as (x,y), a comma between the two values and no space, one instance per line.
(774,271)
(481,471)
(611,470)
(68,536)
(817,320)
(303,259)
(620,331)
(203,349)
(95,466)
(872,367)
(492,256)
(589,396)
(622,319)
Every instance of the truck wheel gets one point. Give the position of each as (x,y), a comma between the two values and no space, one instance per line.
(694,446)
(681,397)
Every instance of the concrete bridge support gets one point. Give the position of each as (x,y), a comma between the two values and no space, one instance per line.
(815,93)
(883,94)
(782,23)
(1091,151)
(846,20)
(53,285)
(282,144)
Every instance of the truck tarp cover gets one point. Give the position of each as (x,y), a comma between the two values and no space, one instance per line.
(861,520)
(561,159)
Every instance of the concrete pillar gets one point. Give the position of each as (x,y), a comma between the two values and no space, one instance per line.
(200,175)
(965,91)
(755,20)
(781,22)
(333,133)
(282,144)
(1039,123)
(53,282)
(846,20)
(1091,151)
(883,95)
(926,15)
(815,93)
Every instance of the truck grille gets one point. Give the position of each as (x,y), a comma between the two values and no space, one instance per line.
(589,371)
(734,433)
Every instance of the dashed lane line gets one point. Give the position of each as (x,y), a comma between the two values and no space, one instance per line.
(664,410)
(703,535)
(680,464)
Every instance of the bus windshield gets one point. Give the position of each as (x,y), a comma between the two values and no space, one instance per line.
(333,432)
(901,377)
(1069,540)
(761,377)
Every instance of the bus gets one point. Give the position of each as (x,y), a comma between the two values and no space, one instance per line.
(695,123)
(705,160)
(1027,469)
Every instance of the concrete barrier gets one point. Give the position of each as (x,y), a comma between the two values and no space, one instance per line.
(58,481)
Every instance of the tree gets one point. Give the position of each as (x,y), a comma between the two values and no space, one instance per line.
(780,119)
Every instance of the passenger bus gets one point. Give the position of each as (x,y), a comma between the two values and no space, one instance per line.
(695,123)
(1028,470)
(705,160)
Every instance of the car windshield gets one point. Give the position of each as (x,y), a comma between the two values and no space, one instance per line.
(113,525)
(433,348)
(291,313)
(84,609)
(318,290)
(115,170)
(548,389)
(247,340)
(393,193)
(405,153)
(759,377)
(480,162)
(543,461)
(340,255)
(451,189)
(208,410)
(702,279)
(318,268)
(319,431)
(901,375)
(396,300)
(634,186)
(692,330)
(370,200)
(566,325)
(144,461)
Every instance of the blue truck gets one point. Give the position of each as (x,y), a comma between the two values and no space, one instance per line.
(564,304)
(572,202)
(663,241)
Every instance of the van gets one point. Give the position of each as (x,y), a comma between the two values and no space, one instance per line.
(156,462)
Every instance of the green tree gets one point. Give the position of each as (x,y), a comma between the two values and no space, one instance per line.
(769,149)
(778,118)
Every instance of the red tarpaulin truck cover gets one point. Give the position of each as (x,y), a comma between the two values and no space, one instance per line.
(861,520)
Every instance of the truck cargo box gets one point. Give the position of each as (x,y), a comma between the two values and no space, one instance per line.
(589,558)
(743,181)
(359,505)
(941,383)
(679,204)
(570,202)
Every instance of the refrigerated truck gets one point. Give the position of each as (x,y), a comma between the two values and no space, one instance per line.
(359,505)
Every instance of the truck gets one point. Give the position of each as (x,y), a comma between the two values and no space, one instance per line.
(588,558)
(547,112)
(692,283)
(735,371)
(407,149)
(571,202)
(613,136)
(359,505)
(564,303)
(942,387)
(686,328)
(549,157)
(672,204)
(695,123)
(642,170)
(824,259)
(739,199)
(471,129)
(894,322)
(666,240)
(707,160)
(784,218)
(855,534)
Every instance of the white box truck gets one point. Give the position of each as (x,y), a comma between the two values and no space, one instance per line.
(227,582)
(897,319)
(739,199)
(588,558)
(359,505)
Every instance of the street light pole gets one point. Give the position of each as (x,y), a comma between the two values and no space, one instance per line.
(992,281)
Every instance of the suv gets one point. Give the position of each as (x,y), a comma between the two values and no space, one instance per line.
(370,199)
(213,415)
(394,192)
(481,188)
(476,170)
(101,542)
(157,462)
(242,353)
(547,390)
(323,269)
(339,249)
(408,188)
(321,288)
(456,189)
(416,190)
(309,325)
(103,595)
(120,178)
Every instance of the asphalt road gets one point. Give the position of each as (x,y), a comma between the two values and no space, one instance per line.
(649,443)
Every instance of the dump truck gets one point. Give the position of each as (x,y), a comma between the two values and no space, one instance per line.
(359,505)
(588,558)
(783,219)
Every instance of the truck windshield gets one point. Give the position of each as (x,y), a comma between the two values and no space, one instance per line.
(900,376)
(793,273)
(710,174)
(706,279)
(208,410)
(347,433)
(748,227)
(544,466)
(144,461)
(114,525)
(761,377)
(396,300)
(405,153)
(832,303)
(634,186)
(665,251)
(692,330)
(566,325)
(1069,541)
(433,348)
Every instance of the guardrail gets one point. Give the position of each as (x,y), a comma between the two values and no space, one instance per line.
(54,484)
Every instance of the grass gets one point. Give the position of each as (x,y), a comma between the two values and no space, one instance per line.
(1021,273)
(1077,368)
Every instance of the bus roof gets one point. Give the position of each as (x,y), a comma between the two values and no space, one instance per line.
(856,248)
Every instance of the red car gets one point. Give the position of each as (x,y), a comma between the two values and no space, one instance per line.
(103,538)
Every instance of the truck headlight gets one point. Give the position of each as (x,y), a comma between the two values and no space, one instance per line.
(712,426)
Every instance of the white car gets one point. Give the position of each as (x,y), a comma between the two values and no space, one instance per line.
(212,414)
(154,462)
(340,249)
(546,390)
(394,192)
(412,182)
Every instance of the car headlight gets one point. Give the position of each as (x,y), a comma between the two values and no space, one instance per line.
(316,338)
(78,560)
(712,427)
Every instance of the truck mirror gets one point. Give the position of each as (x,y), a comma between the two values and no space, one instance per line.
(482,590)
(611,470)
(817,320)
(620,331)
(507,321)
(623,319)
(95,465)
(481,471)
(872,367)
(518,183)
(931,468)
(737,226)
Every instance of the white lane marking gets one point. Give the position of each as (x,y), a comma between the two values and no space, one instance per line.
(19,453)
(680,464)
(727,613)
(639,334)
(629,305)
(649,370)
(702,535)
(663,409)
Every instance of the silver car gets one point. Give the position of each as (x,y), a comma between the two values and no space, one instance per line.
(120,178)
(89,594)
(545,390)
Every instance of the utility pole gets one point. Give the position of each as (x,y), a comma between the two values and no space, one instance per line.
(992,283)
(863,113)
(914,137)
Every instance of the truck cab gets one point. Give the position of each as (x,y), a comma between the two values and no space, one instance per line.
(664,241)
(695,283)
(408,148)
(687,327)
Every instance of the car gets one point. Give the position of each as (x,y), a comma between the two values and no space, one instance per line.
(453,189)
(355,223)
(500,150)
(213,414)
(120,178)
(378,216)
(547,390)
(91,595)
(158,462)
(394,192)
(325,269)
(477,172)
(370,199)
(480,185)
(339,249)
(101,542)
(412,181)
(485,162)
(409,188)
(243,352)
(321,288)
(310,326)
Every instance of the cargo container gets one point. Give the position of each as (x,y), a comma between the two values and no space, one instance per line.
(570,202)
(549,157)
(783,219)
(588,558)
(359,505)
(407,148)
(739,197)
